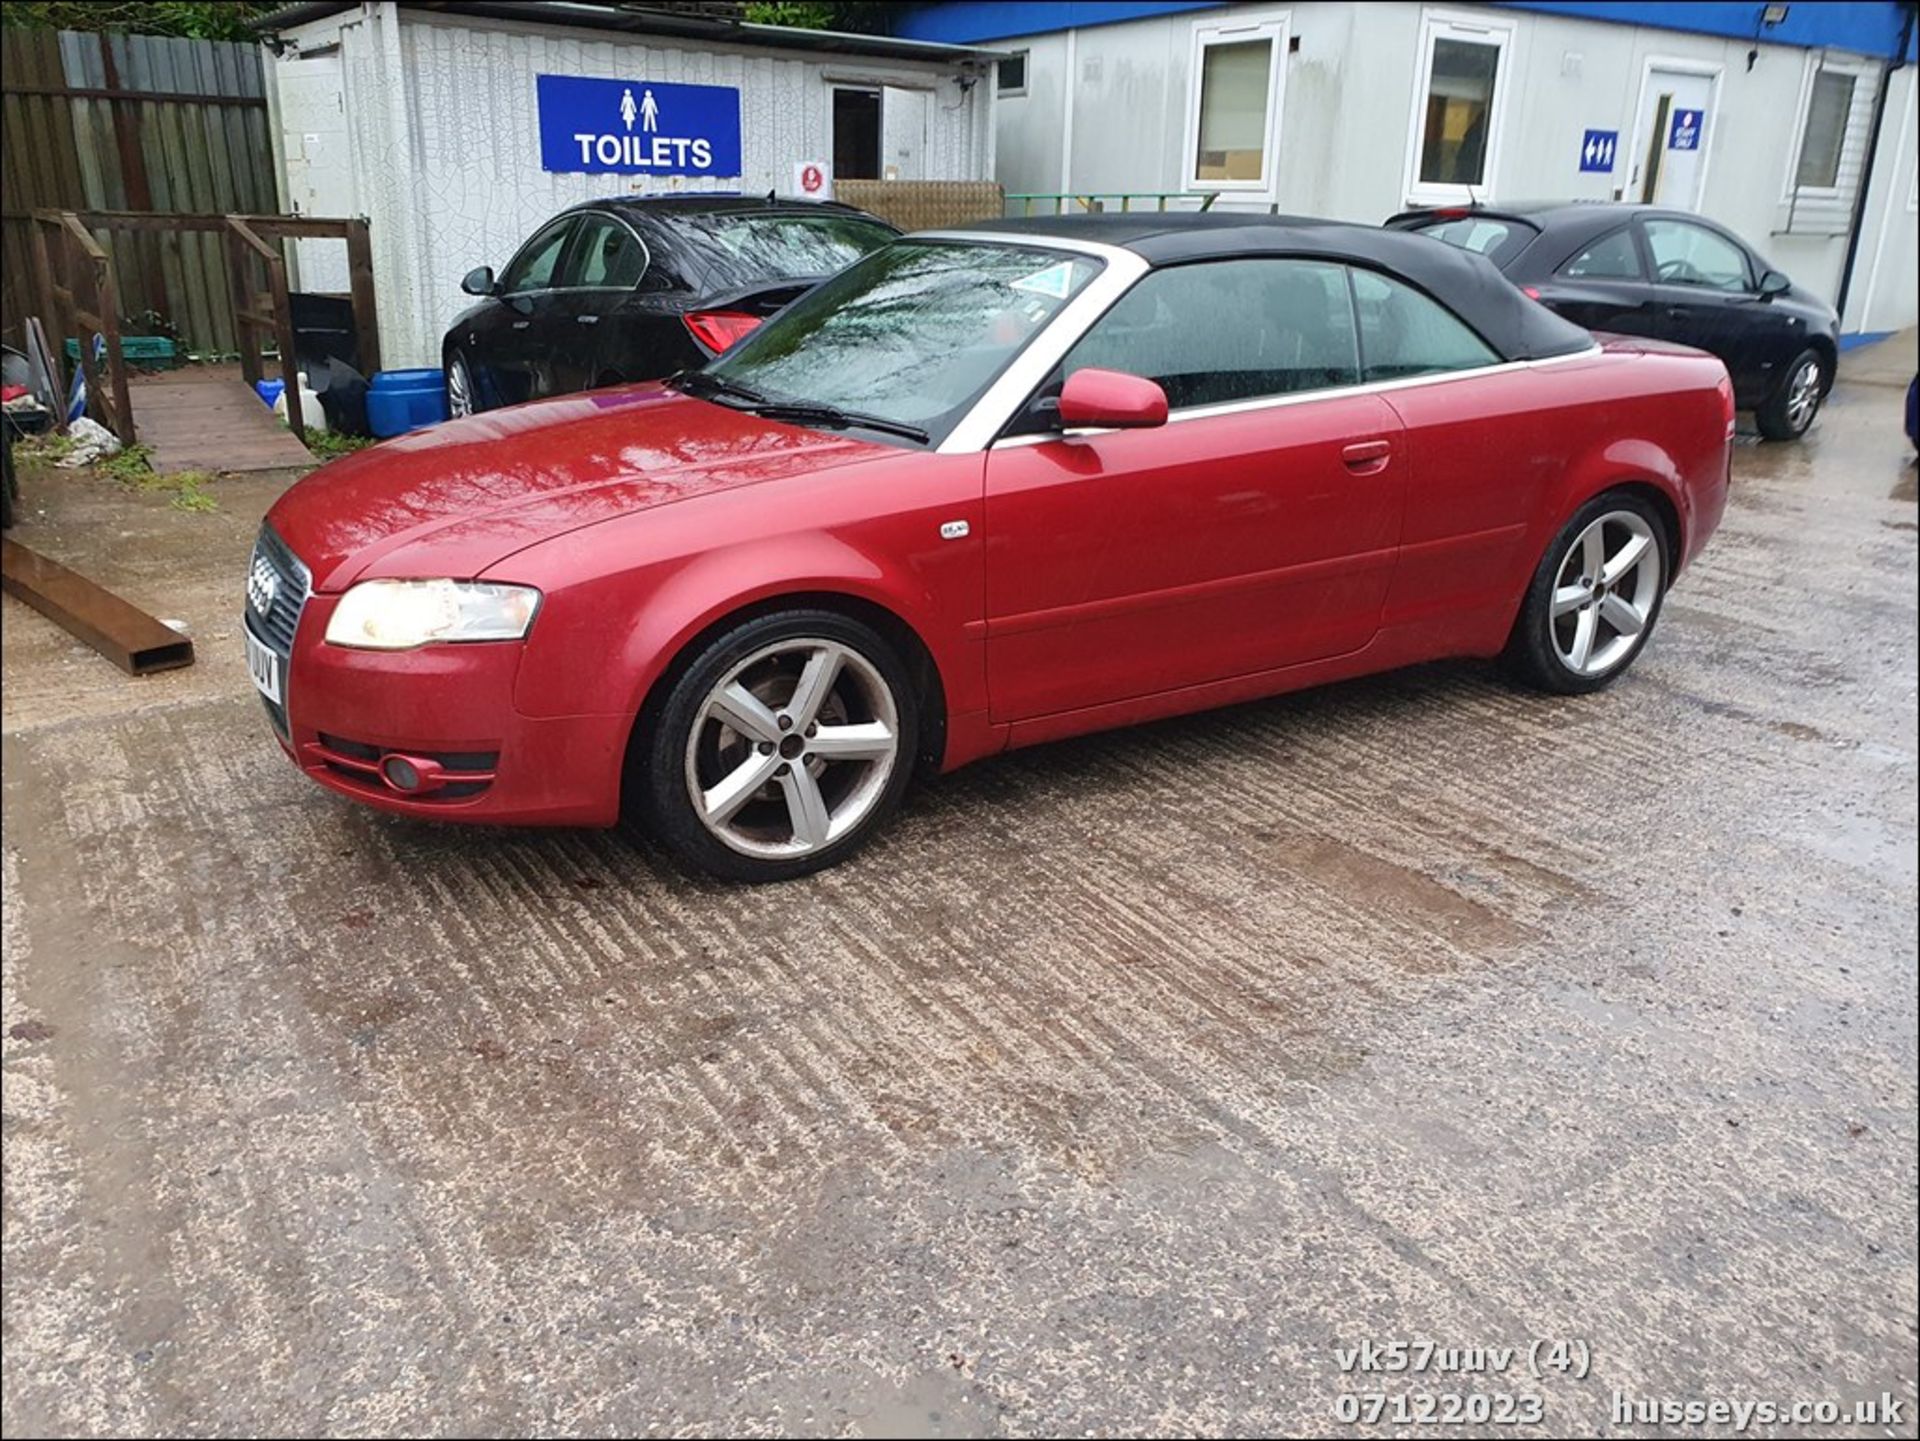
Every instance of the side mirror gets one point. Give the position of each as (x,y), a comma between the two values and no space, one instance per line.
(1111,399)
(479,281)
(1774,283)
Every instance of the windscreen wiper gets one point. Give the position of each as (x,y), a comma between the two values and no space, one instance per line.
(807,412)
(705,382)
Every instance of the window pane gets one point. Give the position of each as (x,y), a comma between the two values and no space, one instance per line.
(1459,106)
(740,248)
(1827,111)
(1012,73)
(1229,330)
(1498,240)
(608,255)
(1233,110)
(1403,332)
(1686,254)
(1613,257)
(532,269)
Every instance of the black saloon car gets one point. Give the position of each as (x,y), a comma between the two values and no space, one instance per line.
(1668,274)
(634,289)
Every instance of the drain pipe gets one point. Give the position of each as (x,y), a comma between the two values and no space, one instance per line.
(1887,69)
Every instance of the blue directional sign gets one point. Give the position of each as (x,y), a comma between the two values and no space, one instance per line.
(1596,149)
(637,127)
(1685,132)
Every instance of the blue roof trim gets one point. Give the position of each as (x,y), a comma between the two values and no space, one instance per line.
(1003,19)
(1863,28)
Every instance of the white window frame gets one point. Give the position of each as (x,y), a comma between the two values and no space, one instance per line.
(1013,92)
(1861,69)
(1674,65)
(1474,29)
(1275,27)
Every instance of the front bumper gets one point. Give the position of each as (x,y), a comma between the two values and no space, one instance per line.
(345,710)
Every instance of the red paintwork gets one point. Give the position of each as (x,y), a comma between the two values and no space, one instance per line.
(1106,578)
(1111,397)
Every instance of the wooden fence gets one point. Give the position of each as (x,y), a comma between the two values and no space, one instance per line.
(142,123)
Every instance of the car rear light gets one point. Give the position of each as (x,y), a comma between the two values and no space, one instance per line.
(1725,390)
(1452,212)
(1532,292)
(718,329)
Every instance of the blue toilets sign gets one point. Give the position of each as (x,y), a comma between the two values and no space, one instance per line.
(637,127)
(1685,133)
(1596,150)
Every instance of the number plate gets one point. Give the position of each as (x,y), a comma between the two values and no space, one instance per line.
(264,666)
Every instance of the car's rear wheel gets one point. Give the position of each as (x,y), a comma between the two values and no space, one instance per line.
(460,394)
(1594,598)
(1795,400)
(781,748)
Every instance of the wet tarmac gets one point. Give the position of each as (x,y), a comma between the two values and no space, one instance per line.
(1124,1086)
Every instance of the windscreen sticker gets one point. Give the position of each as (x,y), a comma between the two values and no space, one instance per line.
(1055,281)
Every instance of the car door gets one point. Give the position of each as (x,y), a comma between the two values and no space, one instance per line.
(1708,291)
(1604,285)
(597,277)
(1255,530)
(510,344)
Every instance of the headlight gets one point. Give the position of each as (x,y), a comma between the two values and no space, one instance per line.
(402,614)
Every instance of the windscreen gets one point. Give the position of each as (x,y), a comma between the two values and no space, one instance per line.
(914,333)
(733,250)
(1498,239)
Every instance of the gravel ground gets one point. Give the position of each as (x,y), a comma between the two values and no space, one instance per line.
(1125,1085)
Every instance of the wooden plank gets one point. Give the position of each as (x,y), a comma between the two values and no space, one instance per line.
(112,92)
(123,633)
(307,226)
(214,423)
(366,315)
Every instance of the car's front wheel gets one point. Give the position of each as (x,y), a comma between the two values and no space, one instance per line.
(781,748)
(1594,598)
(1795,400)
(460,393)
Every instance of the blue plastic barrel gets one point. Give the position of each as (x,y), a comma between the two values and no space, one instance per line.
(269,390)
(403,400)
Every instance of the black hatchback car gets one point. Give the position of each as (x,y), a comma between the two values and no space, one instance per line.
(1668,274)
(634,289)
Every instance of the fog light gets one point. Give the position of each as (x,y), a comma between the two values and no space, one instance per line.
(400,773)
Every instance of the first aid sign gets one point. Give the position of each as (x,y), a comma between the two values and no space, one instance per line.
(637,127)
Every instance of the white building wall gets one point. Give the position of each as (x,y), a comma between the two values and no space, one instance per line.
(1885,294)
(444,138)
(1121,92)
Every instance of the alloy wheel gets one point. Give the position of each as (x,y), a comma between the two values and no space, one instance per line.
(459,389)
(1604,593)
(1803,395)
(792,748)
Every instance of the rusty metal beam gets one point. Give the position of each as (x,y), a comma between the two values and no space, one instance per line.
(124,634)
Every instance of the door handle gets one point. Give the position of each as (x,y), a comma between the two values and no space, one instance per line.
(1367,457)
(587,319)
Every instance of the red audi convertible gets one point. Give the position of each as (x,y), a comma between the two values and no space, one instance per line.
(985,488)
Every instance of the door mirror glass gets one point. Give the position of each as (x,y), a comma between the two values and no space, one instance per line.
(1111,399)
(1775,282)
(479,280)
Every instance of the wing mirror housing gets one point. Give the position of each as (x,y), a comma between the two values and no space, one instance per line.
(1774,283)
(479,281)
(1112,400)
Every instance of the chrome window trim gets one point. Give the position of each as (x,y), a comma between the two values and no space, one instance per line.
(989,414)
(1300,397)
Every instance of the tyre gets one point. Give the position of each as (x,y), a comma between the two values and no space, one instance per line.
(461,396)
(1594,598)
(1795,400)
(781,748)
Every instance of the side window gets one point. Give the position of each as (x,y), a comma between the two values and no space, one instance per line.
(1403,332)
(532,268)
(1227,330)
(1612,257)
(607,256)
(1685,254)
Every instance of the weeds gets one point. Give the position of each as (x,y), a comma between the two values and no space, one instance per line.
(331,444)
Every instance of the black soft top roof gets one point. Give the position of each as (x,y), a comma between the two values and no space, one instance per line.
(1467,284)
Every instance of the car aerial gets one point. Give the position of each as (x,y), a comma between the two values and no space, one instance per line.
(987,487)
(637,288)
(1667,274)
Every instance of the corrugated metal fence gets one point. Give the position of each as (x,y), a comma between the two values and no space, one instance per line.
(133,122)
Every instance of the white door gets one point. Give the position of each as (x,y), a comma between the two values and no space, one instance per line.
(903,141)
(1669,155)
(313,140)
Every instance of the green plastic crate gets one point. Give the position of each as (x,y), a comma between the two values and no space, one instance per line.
(148,350)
